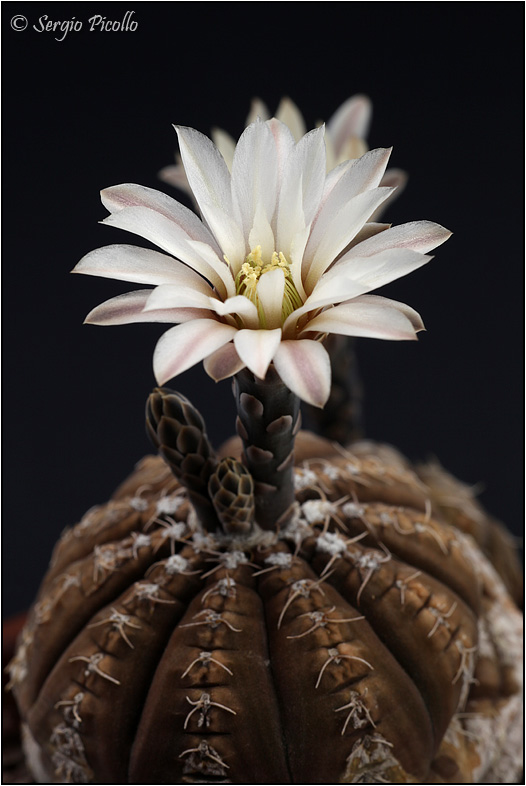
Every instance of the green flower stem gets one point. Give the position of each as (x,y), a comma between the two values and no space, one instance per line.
(268,419)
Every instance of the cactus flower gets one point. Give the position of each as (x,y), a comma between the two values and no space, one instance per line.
(283,254)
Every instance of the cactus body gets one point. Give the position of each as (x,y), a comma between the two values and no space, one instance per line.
(370,641)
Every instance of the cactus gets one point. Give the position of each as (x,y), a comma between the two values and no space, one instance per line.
(367,639)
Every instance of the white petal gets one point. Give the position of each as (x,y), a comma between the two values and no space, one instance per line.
(420,236)
(256,348)
(270,290)
(374,271)
(209,180)
(175,176)
(179,296)
(366,317)
(412,315)
(241,306)
(140,265)
(305,367)
(117,198)
(289,114)
(258,109)
(327,292)
(261,234)
(352,119)
(158,229)
(397,179)
(339,231)
(129,308)
(254,175)
(223,363)
(225,144)
(348,181)
(183,346)
(301,187)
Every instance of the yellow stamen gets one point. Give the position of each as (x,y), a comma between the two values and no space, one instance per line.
(252,270)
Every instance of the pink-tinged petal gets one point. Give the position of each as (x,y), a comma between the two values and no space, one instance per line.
(117,198)
(241,306)
(368,317)
(256,348)
(254,175)
(289,114)
(225,144)
(184,345)
(301,187)
(129,308)
(348,181)
(368,230)
(158,229)
(351,119)
(179,296)
(140,265)
(270,290)
(305,367)
(223,363)
(412,315)
(394,178)
(209,180)
(326,293)
(338,232)
(420,236)
(175,176)
(375,271)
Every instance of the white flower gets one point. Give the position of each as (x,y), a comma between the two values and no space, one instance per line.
(345,138)
(283,255)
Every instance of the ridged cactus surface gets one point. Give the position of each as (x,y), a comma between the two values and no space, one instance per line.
(369,641)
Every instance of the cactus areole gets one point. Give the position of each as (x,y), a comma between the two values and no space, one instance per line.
(287,609)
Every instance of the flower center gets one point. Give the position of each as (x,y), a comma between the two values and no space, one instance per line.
(251,271)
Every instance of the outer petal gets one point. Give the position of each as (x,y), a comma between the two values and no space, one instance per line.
(339,231)
(209,180)
(223,363)
(369,317)
(241,306)
(352,119)
(183,346)
(180,296)
(140,265)
(258,109)
(420,236)
(256,348)
(373,272)
(305,367)
(129,308)
(158,229)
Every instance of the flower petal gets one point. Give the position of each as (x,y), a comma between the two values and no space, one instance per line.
(223,363)
(270,290)
(351,119)
(241,306)
(256,348)
(184,345)
(258,109)
(209,180)
(301,187)
(179,296)
(129,308)
(225,144)
(338,232)
(368,317)
(305,367)
(290,115)
(140,265)
(116,198)
(374,271)
(420,236)
(254,175)
(169,236)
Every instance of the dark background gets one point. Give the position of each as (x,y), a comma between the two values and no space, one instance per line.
(96,109)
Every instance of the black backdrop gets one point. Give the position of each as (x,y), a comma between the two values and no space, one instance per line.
(96,109)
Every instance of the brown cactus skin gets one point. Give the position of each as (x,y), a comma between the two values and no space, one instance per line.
(342,650)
